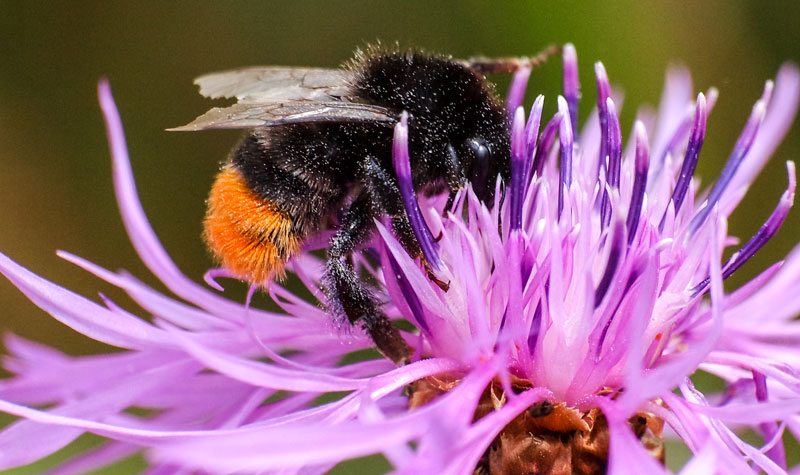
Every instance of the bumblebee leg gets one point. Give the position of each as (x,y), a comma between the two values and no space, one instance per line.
(348,295)
(384,193)
(402,228)
(381,187)
(404,232)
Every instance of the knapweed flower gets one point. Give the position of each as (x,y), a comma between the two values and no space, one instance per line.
(577,309)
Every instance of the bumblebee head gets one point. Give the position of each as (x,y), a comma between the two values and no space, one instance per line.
(483,157)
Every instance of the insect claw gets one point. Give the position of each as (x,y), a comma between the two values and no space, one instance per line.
(445,286)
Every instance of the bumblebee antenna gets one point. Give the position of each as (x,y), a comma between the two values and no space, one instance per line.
(544,55)
(509,65)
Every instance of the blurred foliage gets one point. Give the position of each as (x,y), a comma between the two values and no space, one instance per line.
(55,183)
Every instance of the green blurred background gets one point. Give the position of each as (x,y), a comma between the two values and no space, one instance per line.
(55,182)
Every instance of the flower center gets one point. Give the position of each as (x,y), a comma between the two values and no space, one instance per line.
(549,437)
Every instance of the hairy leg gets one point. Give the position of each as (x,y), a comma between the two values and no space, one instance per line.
(384,194)
(348,295)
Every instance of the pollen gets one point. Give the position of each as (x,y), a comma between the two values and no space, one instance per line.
(250,236)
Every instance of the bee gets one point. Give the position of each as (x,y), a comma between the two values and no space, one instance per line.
(319,149)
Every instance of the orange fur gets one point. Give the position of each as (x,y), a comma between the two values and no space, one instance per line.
(252,237)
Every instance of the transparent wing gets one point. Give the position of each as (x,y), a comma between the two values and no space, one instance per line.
(272,95)
(249,115)
(276,84)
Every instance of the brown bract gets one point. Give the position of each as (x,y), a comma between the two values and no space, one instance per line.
(548,438)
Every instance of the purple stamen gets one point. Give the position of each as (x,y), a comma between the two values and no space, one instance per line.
(516,91)
(598,344)
(735,389)
(411,298)
(402,167)
(603,93)
(764,234)
(614,258)
(536,323)
(614,148)
(639,181)
(740,151)
(692,153)
(532,133)
(565,166)
(777,453)
(614,145)
(518,163)
(760,382)
(768,230)
(547,139)
(571,84)
(683,128)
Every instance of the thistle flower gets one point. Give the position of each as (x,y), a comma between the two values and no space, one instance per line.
(577,311)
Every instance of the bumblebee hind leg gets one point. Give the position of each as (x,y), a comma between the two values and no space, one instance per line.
(348,295)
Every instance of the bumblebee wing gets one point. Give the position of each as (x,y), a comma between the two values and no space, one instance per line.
(276,84)
(272,95)
(249,115)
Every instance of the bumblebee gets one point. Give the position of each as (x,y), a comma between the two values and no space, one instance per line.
(320,151)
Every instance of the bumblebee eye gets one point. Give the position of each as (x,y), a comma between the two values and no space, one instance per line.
(481,158)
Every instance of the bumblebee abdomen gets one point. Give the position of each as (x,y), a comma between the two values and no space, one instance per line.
(278,188)
(251,236)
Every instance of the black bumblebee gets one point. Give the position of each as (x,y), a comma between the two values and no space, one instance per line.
(321,147)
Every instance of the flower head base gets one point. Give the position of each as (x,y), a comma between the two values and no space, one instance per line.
(574,306)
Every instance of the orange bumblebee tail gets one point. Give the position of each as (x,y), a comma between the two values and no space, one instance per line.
(252,238)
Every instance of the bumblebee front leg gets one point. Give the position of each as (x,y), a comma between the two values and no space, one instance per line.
(348,295)
(385,195)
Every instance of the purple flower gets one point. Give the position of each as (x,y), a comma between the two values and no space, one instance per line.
(578,309)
